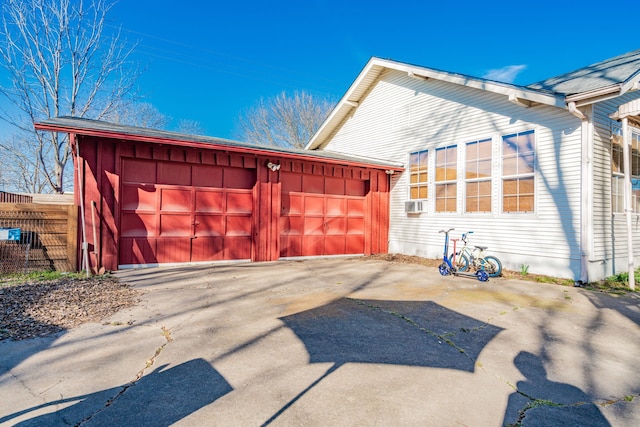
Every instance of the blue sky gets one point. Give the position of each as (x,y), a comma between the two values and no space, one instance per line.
(209,60)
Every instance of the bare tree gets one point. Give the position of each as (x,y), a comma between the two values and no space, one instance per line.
(141,114)
(285,120)
(60,61)
(191,127)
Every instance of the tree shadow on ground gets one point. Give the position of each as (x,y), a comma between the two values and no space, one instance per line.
(160,398)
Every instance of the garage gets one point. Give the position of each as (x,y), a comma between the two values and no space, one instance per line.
(151,197)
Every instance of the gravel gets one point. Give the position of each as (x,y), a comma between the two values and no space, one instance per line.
(38,309)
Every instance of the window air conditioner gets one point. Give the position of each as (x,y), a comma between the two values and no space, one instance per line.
(413,206)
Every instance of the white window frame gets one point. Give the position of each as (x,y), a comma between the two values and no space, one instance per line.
(617,176)
(488,179)
(517,176)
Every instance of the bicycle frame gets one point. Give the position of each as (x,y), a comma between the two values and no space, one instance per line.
(447,267)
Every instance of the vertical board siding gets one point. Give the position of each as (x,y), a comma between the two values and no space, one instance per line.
(439,114)
(185,174)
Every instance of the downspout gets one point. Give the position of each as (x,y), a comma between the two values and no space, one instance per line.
(628,209)
(586,181)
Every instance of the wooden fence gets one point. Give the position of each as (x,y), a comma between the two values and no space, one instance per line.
(46,240)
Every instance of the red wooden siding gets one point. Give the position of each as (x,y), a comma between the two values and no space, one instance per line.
(165,204)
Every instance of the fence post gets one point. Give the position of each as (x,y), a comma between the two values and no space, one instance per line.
(72,237)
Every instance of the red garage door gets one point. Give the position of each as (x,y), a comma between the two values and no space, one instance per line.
(178,212)
(322,215)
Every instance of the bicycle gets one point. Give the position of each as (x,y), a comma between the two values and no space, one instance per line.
(476,258)
(447,267)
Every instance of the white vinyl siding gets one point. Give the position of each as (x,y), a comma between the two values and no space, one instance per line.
(609,228)
(444,114)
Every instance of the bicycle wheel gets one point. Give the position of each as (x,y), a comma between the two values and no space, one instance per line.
(460,262)
(444,269)
(492,266)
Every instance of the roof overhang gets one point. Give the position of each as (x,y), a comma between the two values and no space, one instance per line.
(100,129)
(607,92)
(375,67)
(629,110)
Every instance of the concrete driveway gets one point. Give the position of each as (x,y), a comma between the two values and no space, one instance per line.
(338,342)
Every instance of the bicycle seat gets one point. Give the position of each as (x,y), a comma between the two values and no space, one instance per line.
(482,248)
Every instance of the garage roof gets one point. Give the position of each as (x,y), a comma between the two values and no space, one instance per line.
(88,127)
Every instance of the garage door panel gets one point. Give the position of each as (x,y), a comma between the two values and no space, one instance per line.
(239,202)
(175,225)
(137,251)
(331,211)
(210,225)
(237,247)
(313,225)
(209,201)
(138,225)
(334,245)
(292,224)
(290,245)
(208,248)
(172,199)
(355,225)
(238,226)
(355,207)
(355,244)
(293,204)
(139,197)
(314,205)
(173,250)
(336,206)
(335,226)
(313,245)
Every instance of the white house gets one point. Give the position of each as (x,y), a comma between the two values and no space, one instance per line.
(537,172)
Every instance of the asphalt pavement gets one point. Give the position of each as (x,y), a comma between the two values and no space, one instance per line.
(336,341)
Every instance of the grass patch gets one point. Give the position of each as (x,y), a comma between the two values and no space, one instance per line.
(38,276)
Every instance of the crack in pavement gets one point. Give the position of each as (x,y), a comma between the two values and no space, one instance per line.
(535,402)
(166,333)
(446,337)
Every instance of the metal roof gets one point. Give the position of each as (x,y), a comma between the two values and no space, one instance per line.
(89,127)
(610,72)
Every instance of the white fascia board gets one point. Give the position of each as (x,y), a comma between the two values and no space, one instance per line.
(345,104)
(487,85)
(374,68)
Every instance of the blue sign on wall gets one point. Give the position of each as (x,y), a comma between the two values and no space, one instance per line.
(635,184)
(10,234)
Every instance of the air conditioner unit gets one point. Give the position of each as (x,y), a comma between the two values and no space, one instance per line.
(414,206)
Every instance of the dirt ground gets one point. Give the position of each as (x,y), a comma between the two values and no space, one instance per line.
(41,308)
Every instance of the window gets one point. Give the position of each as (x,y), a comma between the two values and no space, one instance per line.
(478,176)
(446,176)
(418,175)
(617,172)
(518,159)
